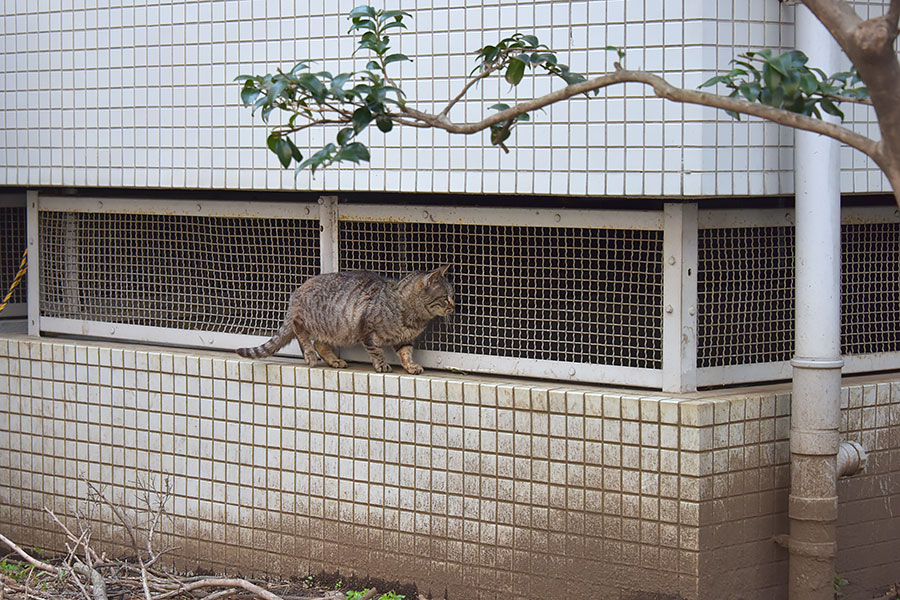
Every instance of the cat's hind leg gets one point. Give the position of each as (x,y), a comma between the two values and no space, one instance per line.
(405,355)
(303,338)
(373,348)
(328,355)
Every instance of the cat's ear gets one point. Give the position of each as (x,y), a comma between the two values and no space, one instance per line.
(440,272)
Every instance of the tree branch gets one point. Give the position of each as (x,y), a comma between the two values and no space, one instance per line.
(664,89)
(485,73)
(837,16)
(30,559)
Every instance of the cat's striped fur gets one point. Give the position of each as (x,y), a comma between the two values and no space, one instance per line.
(361,307)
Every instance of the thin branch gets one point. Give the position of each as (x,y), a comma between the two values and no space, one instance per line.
(664,89)
(79,541)
(126,523)
(226,583)
(28,558)
(485,73)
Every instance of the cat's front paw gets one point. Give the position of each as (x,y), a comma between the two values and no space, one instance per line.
(414,369)
(337,364)
(382,368)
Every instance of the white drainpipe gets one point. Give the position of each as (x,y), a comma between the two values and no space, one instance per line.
(815,404)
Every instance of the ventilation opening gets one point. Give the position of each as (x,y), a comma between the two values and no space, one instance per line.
(13,241)
(205,273)
(577,295)
(745,290)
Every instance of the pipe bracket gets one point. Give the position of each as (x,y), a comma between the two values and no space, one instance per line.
(816,442)
(803,362)
(814,550)
(813,509)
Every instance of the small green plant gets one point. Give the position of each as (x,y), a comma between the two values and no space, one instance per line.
(20,571)
(839,582)
(356,595)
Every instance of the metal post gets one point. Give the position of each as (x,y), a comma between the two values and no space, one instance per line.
(328,234)
(815,402)
(680,297)
(34,280)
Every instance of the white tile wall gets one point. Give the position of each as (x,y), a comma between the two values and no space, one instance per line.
(141,94)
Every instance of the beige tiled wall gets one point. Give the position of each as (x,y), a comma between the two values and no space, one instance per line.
(485,489)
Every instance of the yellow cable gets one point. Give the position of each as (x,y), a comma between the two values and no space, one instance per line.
(23,266)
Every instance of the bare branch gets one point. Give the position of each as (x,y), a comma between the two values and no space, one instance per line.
(226,583)
(27,557)
(126,523)
(78,541)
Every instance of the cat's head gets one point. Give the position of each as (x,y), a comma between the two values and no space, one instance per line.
(437,292)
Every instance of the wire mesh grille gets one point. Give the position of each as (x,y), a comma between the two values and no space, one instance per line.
(577,295)
(218,274)
(870,288)
(745,290)
(13,241)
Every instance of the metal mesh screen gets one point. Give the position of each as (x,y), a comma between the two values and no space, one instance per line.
(13,241)
(745,289)
(576,295)
(219,274)
(870,288)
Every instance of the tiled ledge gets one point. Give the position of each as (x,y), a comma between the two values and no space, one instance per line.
(468,484)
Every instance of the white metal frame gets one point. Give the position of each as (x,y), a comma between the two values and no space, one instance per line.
(600,219)
(139,333)
(680,223)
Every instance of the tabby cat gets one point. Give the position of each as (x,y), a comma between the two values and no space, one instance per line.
(361,307)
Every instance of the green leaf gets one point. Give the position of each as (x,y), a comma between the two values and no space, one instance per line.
(771,76)
(313,85)
(284,152)
(499,135)
(397,15)
(362,116)
(498,106)
(515,71)
(295,151)
(392,58)
(489,53)
(249,93)
(713,81)
(363,11)
(272,140)
(531,40)
(393,24)
(831,108)
(344,135)
(750,91)
(360,23)
(354,152)
(809,83)
(384,123)
(278,86)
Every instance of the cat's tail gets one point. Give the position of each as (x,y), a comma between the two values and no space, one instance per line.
(278,341)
